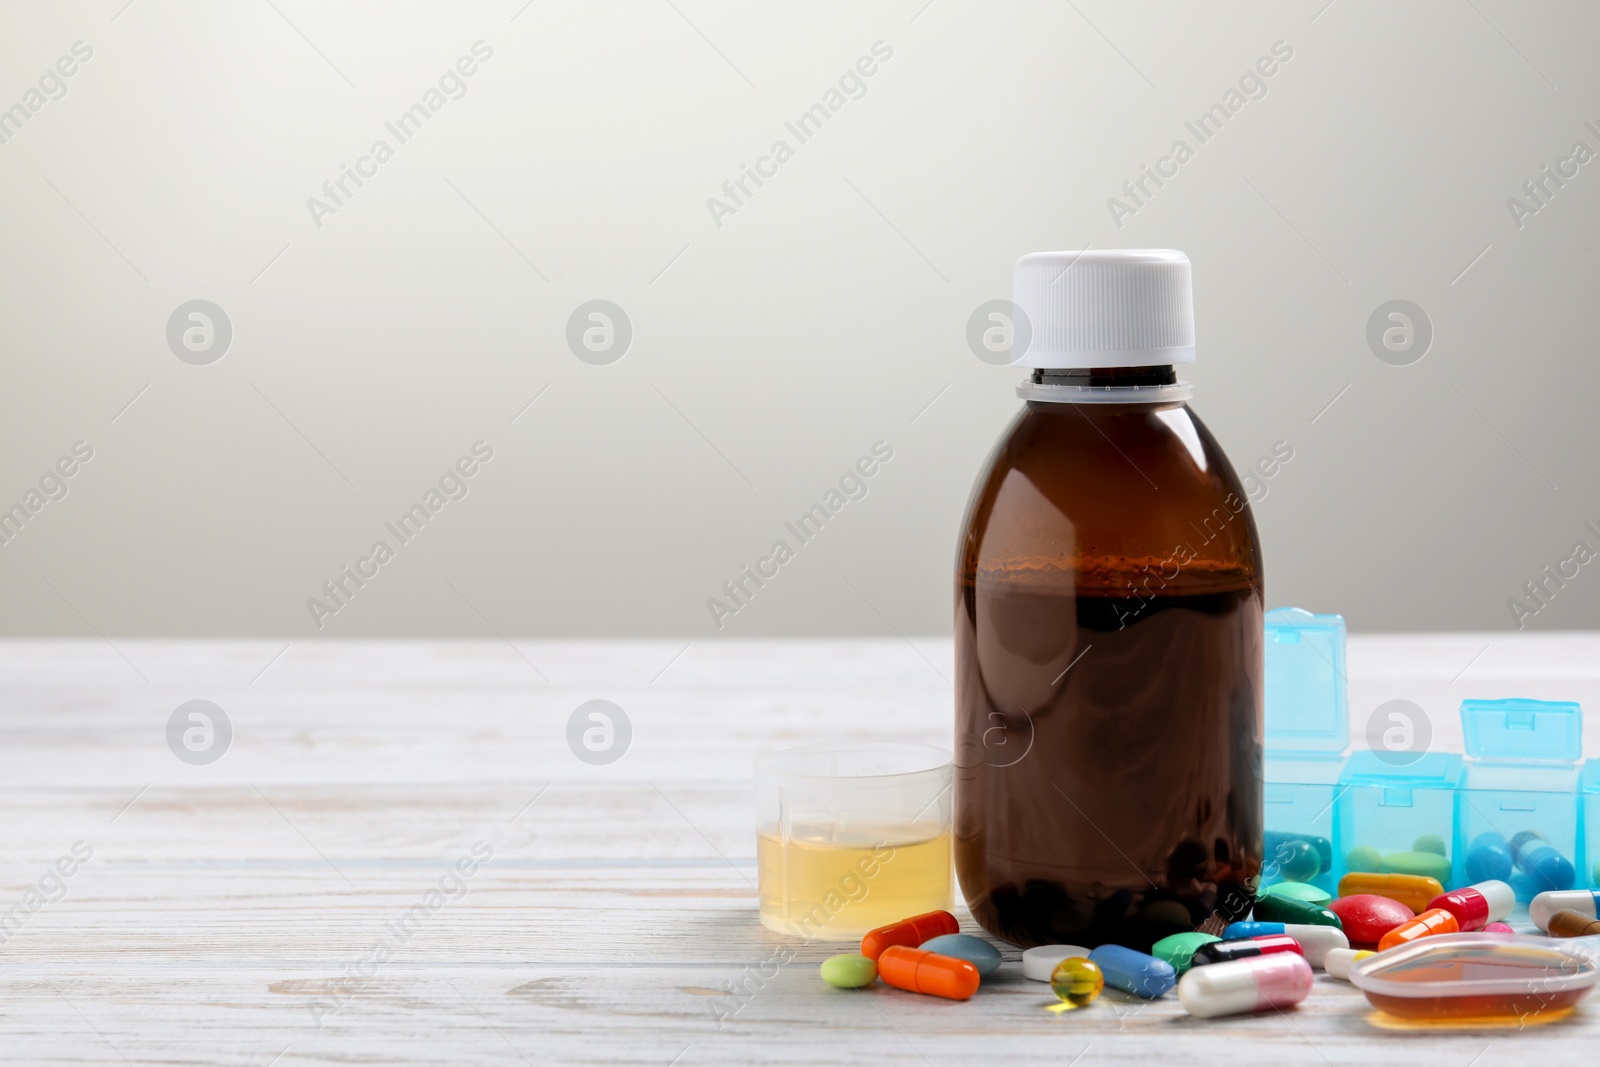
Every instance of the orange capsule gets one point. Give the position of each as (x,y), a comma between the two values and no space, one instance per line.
(1415,891)
(920,971)
(909,932)
(1433,921)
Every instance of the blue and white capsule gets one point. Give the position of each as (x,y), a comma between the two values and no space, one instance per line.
(1250,928)
(1315,941)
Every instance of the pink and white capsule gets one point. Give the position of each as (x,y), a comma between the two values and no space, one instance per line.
(1276,980)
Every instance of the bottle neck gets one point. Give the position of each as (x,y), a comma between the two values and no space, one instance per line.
(1106,377)
(1105,385)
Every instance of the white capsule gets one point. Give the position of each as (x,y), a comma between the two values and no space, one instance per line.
(1316,941)
(1339,961)
(1583,901)
(1040,961)
(1254,983)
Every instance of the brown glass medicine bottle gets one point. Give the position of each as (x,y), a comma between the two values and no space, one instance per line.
(1108,630)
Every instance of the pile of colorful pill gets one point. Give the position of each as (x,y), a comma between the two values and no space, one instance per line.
(1261,963)
(922,954)
(1526,857)
(926,954)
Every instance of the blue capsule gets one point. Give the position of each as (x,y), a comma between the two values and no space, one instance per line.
(1489,858)
(1240,930)
(1134,972)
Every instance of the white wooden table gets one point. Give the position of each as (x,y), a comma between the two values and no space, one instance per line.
(230,912)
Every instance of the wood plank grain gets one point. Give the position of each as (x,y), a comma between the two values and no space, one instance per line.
(235,913)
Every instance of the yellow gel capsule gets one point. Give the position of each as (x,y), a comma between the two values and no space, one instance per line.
(1077,980)
(1415,891)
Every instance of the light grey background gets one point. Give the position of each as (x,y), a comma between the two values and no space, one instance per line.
(771,352)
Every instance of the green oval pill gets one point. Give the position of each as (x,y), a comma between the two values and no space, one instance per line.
(1428,864)
(849,971)
(1299,891)
(1178,949)
(1280,909)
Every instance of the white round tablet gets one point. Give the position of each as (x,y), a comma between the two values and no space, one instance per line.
(1040,962)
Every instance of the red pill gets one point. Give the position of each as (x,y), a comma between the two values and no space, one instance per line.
(909,932)
(920,971)
(1433,921)
(1498,928)
(1367,916)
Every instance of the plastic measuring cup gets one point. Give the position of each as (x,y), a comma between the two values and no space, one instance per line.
(852,835)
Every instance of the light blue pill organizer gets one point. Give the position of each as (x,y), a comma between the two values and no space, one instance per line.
(1389,802)
(1517,804)
(1307,731)
(1589,824)
(1520,783)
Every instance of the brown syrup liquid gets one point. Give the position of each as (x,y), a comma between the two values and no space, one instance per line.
(1541,972)
(1136,811)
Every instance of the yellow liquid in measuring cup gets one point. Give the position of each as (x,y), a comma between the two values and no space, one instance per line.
(838,889)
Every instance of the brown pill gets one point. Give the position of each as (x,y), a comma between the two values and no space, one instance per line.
(1569,923)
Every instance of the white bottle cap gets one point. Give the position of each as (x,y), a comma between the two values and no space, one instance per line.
(1105,308)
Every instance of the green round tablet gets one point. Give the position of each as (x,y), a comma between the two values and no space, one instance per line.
(1178,949)
(1363,858)
(1430,843)
(1299,891)
(849,971)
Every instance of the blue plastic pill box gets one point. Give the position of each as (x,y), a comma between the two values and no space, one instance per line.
(1519,784)
(1519,807)
(1390,804)
(1307,731)
(1589,821)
